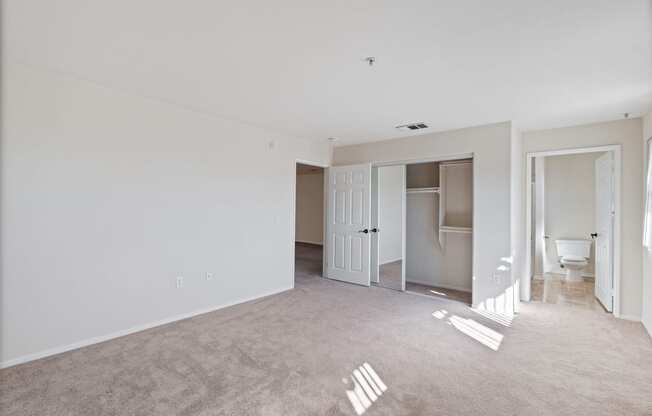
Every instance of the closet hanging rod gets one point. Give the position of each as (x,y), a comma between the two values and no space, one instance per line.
(434,190)
(456,162)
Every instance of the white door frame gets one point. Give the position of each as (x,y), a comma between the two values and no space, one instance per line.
(617,152)
(429,159)
(293,220)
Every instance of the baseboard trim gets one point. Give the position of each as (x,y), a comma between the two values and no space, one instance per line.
(102,338)
(320,243)
(648,327)
(451,287)
(632,318)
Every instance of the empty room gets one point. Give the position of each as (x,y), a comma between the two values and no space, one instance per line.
(326,208)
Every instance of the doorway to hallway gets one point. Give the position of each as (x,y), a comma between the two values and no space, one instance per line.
(309,221)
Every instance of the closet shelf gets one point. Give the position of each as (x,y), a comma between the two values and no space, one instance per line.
(451,229)
(434,190)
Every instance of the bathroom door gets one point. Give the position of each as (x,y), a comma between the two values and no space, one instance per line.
(604,217)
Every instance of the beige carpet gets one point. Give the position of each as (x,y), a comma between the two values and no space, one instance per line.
(329,348)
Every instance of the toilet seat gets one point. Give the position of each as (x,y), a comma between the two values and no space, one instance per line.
(573,257)
(574,260)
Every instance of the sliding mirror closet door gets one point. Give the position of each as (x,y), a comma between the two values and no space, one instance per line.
(390,217)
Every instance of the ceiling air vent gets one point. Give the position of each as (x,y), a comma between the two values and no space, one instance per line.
(412,126)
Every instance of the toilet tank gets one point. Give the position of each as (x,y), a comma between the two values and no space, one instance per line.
(579,248)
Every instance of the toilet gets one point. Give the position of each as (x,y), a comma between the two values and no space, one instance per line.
(573,257)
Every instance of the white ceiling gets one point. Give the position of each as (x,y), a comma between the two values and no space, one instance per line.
(296,66)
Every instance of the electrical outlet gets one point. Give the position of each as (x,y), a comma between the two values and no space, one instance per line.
(179,282)
(209,276)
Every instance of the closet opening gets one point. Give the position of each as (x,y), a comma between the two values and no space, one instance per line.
(308,222)
(423,214)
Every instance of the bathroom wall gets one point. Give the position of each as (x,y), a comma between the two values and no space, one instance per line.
(569,203)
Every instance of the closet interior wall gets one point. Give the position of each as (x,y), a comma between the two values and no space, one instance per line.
(439,212)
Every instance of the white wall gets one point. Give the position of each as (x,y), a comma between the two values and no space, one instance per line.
(310,208)
(424,260)
(628,134)
(647,254)
(390,213)
(569,207)
(426,263)
(491,148)
(107,197)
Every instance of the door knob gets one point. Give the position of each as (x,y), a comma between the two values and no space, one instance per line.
(374,230)
(594,235)
(366,231)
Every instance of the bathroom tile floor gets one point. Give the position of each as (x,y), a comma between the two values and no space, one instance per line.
(553,288)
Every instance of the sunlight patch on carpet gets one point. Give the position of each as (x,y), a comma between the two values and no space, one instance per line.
(440,314)
(486,336)
(499,318)
(367,388)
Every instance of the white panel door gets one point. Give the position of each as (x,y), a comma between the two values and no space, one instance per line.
(349,213)
(604,215)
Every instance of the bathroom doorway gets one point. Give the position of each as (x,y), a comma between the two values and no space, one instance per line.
(573,227)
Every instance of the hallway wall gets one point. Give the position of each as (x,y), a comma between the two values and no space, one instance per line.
(309,214)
